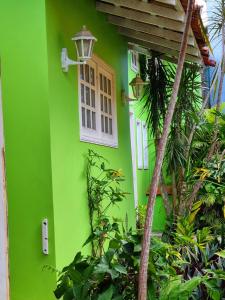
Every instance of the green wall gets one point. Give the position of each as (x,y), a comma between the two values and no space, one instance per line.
(64,19)
(24,72)
(144,176)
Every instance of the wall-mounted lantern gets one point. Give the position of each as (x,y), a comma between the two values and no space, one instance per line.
(84,42)
(137,85)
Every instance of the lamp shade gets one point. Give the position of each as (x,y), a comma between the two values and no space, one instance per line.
(137,85)
(84,41)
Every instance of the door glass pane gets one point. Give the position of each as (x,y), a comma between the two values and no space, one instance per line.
(88,118)
(101,102)
(106,125)
(105,84)
(93,120)
(105,105)
(92,76)
(110,126)
(109,87)
(110,106)
(82,72)
(83,116)
(87,95)
(87,73)
(102,123)
(82,93)
(92,98)
(101,82)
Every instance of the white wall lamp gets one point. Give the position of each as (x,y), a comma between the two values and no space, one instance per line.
(137,85)
(84,42)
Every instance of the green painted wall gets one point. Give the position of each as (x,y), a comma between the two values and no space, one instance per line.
(64,19)
(24,72)
(144,176)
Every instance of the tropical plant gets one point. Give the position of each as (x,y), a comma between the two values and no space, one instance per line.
(103,191)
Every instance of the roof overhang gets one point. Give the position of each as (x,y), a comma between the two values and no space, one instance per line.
(157,25)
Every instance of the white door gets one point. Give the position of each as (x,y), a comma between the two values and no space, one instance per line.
(4,274)
(134,159)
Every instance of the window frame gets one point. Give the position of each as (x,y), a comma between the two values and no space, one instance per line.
(145,146)
(97,136)
(134,67)
(139,141)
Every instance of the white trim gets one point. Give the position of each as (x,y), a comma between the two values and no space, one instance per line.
(133,156)
(96,136)
(4,272)
(145,145)
(134,67)
(139,145)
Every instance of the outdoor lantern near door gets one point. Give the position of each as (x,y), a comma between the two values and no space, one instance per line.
(84,43)
(137,85)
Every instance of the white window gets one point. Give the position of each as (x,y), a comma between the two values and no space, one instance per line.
(97,103)
(134,61)
(139,145)
(145,145)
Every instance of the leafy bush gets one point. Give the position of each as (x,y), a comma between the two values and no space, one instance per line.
(187,263)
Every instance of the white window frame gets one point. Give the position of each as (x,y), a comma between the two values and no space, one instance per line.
(139,144)
(134,67)
(145,145)
(97,136)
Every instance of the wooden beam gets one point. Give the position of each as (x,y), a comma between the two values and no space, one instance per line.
(149,29)
(137,16)
(156,40)
(165,51)
(151,8)
(168,2)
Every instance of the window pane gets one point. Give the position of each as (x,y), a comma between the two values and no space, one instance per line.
(93,120)
(110,106)
(92,98)
(101,102)
(105,84)
(88,118)
(87,95)
(92,76)
(82,93)
(105,105)
(101,82)
(102,122)
(110,126)
(109,87)
(83,116)
(106,125)
(87,73)
(82,72)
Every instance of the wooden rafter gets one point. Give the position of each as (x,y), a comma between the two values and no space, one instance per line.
(156,40)
(149,29)
(150,8)
(164,50)
(154,25)
(137,16)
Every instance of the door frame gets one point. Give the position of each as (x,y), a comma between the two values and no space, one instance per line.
(134,156)
(4,257)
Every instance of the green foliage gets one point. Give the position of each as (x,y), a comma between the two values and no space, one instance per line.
(188,262)
(104,191)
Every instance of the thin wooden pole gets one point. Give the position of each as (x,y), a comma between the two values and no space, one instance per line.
(143,274)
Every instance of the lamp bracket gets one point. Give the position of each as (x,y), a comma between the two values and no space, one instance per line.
(66,61)
(127,99)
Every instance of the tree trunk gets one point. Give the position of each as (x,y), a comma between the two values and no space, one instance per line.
(143,275)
